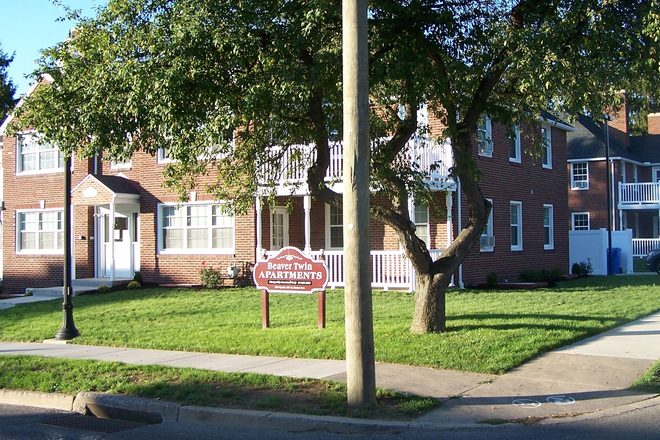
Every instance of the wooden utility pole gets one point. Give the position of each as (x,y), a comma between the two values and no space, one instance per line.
(361,370)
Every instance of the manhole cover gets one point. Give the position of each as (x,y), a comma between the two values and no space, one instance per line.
(88,423)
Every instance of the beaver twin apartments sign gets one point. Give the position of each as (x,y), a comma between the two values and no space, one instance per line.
(290,271)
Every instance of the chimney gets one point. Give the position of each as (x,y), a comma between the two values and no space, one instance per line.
(654,123)
(619,124)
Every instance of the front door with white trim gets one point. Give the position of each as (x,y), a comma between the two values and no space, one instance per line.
(279,228)
(123,236)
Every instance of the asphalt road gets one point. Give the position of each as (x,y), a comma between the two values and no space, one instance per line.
(27,423)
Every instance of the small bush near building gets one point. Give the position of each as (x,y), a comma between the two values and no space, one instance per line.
(492,280)
(582,268)
(103,288)
(133,285)
(209,276)
(137,276)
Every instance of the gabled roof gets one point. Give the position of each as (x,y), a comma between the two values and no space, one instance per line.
(45,78)
(103,190)
(588,142)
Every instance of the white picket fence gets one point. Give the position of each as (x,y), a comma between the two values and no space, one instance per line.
(389,269)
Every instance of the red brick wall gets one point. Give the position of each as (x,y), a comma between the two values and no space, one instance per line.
(532,185)
(22,271)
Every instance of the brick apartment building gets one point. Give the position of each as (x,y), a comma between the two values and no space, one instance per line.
(634,178)
(126,221)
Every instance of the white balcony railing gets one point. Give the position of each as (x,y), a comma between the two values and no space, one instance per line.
(389,269)
(639,194)
(431,159)
(642,246)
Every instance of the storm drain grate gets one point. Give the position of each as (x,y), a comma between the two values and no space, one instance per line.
(89,423)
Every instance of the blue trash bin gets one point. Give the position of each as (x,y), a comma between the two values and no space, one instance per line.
(615,255)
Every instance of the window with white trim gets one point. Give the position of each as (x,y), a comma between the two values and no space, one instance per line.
(33,156)
(548,227)
(580,221)
(485,137)
(516,226)
(126,165)
(546,146)
(334,220)
(487,240)
(39,232)
(580,175)
(164,156)
(514,145)
(195,228)
(421,220)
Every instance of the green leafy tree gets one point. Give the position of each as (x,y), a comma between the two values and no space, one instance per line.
(187,74)
(7,87)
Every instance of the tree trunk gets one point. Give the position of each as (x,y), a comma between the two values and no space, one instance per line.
(429,314)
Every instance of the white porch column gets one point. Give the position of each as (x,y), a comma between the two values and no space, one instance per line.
(111,226)
(449,202)
(259,249)
(307,206)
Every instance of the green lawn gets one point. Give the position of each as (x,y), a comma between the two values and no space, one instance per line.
(488,331)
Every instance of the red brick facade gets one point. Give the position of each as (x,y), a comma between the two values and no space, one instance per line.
(527,182)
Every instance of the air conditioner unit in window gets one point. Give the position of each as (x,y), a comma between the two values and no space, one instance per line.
(581,184)
(487,241)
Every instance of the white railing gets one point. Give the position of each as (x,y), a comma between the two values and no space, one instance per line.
(642,246)
(290,166)
(639,193)
(389,269)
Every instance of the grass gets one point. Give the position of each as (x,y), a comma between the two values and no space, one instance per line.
(204,388)
(650,381)
(488,331)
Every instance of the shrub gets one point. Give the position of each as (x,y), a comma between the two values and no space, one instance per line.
(582,268)
(103,288)
(531,276)
(137,276)
(209,276)
(133,285)
(491,280)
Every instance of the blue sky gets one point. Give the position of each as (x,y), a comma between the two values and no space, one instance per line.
(28,26)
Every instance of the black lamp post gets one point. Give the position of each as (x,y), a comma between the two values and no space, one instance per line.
(610,262)
(68,330)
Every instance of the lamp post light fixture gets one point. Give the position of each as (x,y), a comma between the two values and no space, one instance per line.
(610,262)
(68,330)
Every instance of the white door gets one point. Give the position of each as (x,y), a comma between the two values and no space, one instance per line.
(279,228)
(121,235)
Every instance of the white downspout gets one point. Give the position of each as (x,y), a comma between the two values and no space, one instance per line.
(112,239)
(449,202)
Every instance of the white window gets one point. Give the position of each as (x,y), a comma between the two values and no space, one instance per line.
(40,232)
(485,137)
(580,221)
(121,165)
(514,145)
(279,228)
(164,156)
(580,175)
(421,220)
(656,174)
(487,241)
(548,227)
(33,156)
(195,228)
(546,146)
(334,220)
(516,226)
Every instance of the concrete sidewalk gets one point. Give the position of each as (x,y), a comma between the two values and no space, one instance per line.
(587,377)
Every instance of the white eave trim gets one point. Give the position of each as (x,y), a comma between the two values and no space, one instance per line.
(558,124)
(622,159)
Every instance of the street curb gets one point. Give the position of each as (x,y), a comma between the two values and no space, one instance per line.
(609,412)
(37,399)
(168,411)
